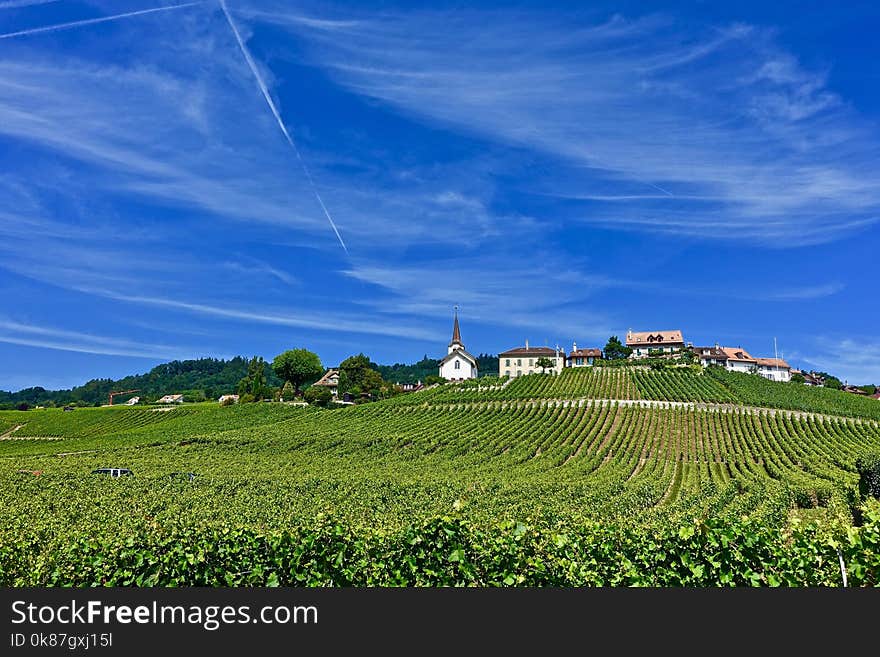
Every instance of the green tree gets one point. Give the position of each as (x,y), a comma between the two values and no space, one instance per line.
(254,382)
(287,392)
(296,366)
(544,363)
(616,350)
(318,395)
(797,378)
(833,382)
(431,379)
(357,374)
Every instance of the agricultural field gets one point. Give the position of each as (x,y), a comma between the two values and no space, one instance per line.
(586,478)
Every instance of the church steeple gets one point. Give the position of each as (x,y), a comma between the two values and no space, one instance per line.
(456,342)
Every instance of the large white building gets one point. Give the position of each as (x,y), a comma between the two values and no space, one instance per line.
(654,343)
(458,363)
(523,360)
(774,369)
(740,360)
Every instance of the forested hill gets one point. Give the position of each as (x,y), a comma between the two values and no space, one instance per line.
(197,379)
(402,373)
(204,378)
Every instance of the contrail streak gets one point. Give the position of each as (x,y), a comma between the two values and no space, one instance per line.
(15,4)
(92,21)
(265,91)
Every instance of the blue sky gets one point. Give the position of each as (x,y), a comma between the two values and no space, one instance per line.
(561,173)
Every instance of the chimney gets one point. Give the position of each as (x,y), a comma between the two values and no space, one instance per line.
(527,344)
(574,346)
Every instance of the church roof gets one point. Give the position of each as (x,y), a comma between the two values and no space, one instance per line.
(530,351)
(456,332)
(461,352)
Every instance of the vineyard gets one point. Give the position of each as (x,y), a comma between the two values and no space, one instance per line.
(592,477)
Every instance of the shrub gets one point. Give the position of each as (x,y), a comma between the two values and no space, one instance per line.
(868,466)
(318,395)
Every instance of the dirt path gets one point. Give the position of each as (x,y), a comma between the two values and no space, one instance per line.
(8,434)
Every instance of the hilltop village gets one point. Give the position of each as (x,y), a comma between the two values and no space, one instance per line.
(639,347)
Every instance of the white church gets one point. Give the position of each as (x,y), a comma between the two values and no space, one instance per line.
(458,363)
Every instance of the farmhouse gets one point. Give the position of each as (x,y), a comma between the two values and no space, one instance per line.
(739,360)
(710,355)
(458,364)
(774,369)
(654,343)
(523,360)
(170,399)
(133,401)
(224,398)
(330,380)
(582,357)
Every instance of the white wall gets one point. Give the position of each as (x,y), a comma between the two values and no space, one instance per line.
(465,369)
(783,375)
(740,367)
(522,365)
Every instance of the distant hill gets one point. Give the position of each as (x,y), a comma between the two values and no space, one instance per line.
(197,379)
(402,373)
(203,378)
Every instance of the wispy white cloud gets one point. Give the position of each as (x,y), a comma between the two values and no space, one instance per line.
(265,91)
(490,290)
(255,267)
(91,21)
(17,4)
(853,360)
(803,293)
(749,144)
(30,335)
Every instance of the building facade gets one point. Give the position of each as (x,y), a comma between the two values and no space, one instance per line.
(520,361)
(740,360)
(582,357)
(458,364)
(774,369)
(654,343)
(330,380)
(710,356)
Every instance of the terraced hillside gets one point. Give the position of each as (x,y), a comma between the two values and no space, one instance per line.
(486,482)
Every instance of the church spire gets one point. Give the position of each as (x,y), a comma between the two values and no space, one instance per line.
(456,332)
(456,342)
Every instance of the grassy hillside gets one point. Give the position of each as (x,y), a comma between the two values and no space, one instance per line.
(457,484)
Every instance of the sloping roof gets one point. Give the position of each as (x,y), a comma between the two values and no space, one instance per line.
(456,332)
(738,355)
(713,352)
(585,353)
(528,351)
(325,380)
(653,338)
(168,398)
(468,357)
(876,396)
(773,362)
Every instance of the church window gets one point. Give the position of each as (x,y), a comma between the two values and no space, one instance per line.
(458,364)
(507,362)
